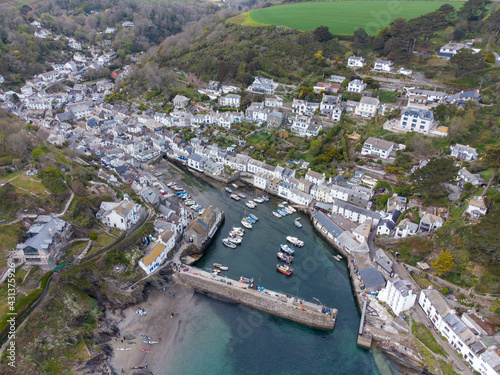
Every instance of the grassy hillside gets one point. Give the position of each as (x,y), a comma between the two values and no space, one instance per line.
(342,17)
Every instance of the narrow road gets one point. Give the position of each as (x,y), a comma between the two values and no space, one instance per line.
(67,205)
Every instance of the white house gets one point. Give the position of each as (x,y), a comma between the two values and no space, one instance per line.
(465,176)
(368,107)
(383,65)
(274,102)
(377,147)
(406,229)
(180,101)
(128,24)
(303,107)
(154,258)
(477,207)
(301,124)
(354,213)
(356,85)
(417,120)
(463,152)
(109,30)
(196,162)
(356,62)
(434,306)
(230,100)
(398,295)
(315,177)
(80,110)
(119,215)
(429,223)
(263,86)
(42,33)
(451,49)
(406,72)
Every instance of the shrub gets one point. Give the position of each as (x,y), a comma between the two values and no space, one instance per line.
(93,236)
(445,291)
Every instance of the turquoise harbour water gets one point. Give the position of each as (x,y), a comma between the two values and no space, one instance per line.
(225,338)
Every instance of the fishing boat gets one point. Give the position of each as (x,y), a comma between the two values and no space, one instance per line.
(242,196)
(266,198)
(284,269)
(246,224)
(224,268)
(276,214)
(250,220)
(292,209)
(170,184)
(295,241)
(235,240)
(239,230)
(228,243)
(297,223)
(282,212)
(258,200)
(281,205)
(254,217)
(190,202)
(235,197)
(217,265)
(287,249)
(235,186)
(284,257)
(250,204)
(229,190)
(288,209)
(246,280)
(336,257)
(235,234)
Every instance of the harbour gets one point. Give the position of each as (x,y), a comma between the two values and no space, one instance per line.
(317,277)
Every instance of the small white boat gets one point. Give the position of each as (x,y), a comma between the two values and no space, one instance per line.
(292,209)
(295,241)
(217,265)
(276,214)
(236,240)
(281,205)
(258,200)
(240,231)
(224,268)
(235,186)
(235,234)
(190,202)
(123,349)
(250,204)
(246,224)
(336,257)
(235,197)
(228,243)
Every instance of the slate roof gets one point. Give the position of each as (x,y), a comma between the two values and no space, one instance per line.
(329,225)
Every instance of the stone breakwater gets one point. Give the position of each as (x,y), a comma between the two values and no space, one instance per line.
(303,312)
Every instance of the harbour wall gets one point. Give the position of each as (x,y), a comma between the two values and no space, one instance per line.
(271,302)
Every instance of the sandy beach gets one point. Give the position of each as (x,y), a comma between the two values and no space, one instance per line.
(158,325)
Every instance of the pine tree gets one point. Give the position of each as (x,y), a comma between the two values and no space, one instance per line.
(443,263)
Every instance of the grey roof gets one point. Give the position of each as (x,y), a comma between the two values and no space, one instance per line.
(40,235)
(428,93)
(358,210)
(455,323)
(401,286)
(369,100)
(328,224)
(372,278)
(420,113)
(478,347)
(381,144)
(437,301)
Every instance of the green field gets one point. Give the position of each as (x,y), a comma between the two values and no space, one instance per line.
(344,17)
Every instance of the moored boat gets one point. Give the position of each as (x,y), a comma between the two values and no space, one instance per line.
(284,269)
(246,280)
(281,205)
(242,196)
(250,220)
(336,257)
(284,257)
(276,214)
(228,243)
(266,198)
(235,197)
(295,241)
(190,202)
(229,190)
(246,224)
(287,249)
(250,204)
(224,268)
(238,230)
(282,212)
(258,200)
(254,217)
(235,240)
(235,186)
(297,223)
(218,265)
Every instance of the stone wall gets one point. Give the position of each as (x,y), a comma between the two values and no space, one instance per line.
(260,301)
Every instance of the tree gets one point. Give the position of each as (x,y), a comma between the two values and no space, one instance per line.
(429,179)
(320,57)
(443,263)
(445,291)
(93,236)
(361,39)
(474,9)
(322,34)
(315,146)
(492,159)
(466,62)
